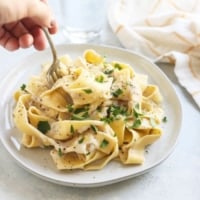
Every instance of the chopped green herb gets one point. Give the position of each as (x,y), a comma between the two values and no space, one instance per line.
(88,91)
(60,152)
(94,128)
(137,106)
(108,71)
(114,112)
(23,87)
(85,115)
(107,119)
(81,140)
(117,110)
(81,109)
(104,143)
(117,92)
(164,119)
(70,108)
(99,79)
(80,113)
(136,112)
(43,126)
(118,66)
(137,123)
(72,129)
(80,117)
(137,115)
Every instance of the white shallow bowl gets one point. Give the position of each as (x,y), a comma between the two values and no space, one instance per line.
(39,162)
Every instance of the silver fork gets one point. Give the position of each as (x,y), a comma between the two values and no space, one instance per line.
(52,73)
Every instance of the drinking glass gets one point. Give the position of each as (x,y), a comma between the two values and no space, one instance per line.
(83,20)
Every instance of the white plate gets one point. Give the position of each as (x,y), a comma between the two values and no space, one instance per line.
(39,162)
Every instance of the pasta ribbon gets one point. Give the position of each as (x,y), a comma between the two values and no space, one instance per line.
(97,111)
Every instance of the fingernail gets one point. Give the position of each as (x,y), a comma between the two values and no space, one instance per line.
(52,23)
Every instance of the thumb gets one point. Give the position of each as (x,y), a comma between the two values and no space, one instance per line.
(14,10)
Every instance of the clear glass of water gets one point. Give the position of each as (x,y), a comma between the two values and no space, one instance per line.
(83,19)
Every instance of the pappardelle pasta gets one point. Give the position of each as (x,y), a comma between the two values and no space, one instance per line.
(97,111)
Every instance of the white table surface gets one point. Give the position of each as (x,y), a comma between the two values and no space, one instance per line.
(176,178)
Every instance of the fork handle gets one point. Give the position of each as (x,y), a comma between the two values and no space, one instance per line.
(53,50)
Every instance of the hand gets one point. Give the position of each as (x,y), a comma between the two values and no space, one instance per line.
(21,22)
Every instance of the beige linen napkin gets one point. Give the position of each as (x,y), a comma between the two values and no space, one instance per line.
(163,30)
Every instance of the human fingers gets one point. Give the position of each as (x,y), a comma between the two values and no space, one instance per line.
(14,10)
(30,24)
(26,40)
(37,33)
(24,34)
(8,41)
(40,13)
(11,43)
(39,38)
(54,27)
(18,31)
